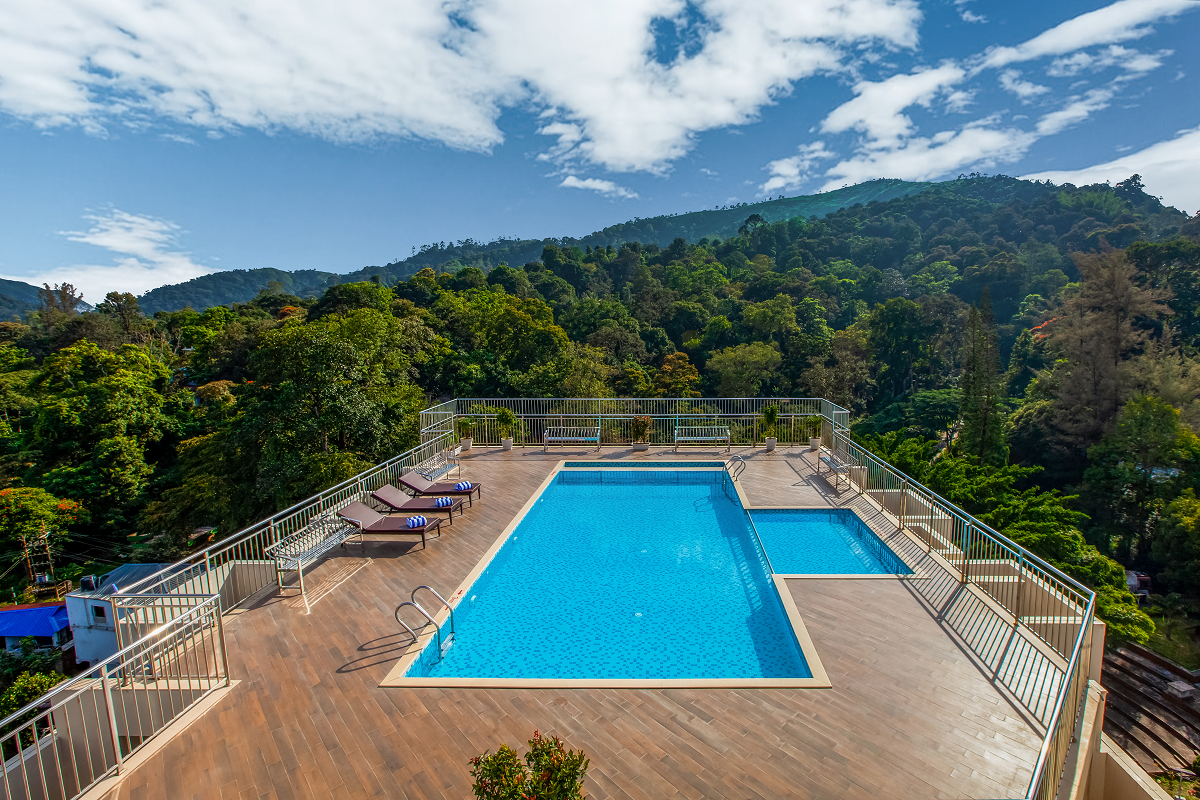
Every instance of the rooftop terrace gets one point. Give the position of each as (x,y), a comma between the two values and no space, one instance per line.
(917,708)
(961,680)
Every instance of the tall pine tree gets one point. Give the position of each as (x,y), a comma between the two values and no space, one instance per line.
(981,387)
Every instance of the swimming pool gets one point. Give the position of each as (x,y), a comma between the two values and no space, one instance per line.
(630,576)
(671,465)
(814,541)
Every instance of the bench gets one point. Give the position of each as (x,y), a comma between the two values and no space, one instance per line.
(570,435)
(440,464)
(837,464)
(702,435)
(308,545)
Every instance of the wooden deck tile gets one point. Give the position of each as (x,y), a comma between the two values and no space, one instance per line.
(914,711)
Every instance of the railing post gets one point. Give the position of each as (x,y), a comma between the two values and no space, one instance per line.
(112,718)
(929,530)
(903,502)
(1020,588)
(221,638)
(966,561)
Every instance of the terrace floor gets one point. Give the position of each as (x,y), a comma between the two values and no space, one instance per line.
(918,708)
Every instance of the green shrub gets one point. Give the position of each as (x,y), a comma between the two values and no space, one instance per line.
(506,420)
(550,772)
(770,415)
(640,428)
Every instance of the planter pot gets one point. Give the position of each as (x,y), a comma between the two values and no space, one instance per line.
(506,444)
(814,444)
(466,443)
(640,446)
(771,441)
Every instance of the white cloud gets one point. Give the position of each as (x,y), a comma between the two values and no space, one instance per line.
(434,69)
(1121,21)
(1128,59)
(926,158)
(790,174)
(970,16)
(890,146)
(147,257)
(1077,110)
(1168,168)
(606,188)
(1012,83)
(877,110)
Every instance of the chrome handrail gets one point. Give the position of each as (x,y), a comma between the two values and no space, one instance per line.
(425,614)
(741,464)
(413,597)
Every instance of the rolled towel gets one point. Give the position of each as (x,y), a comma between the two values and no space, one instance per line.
(443,502)
(462,486)
(416,522)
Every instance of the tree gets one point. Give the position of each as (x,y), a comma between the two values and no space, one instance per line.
(676,377)
(897,337)
(62,300)
(346,297)
(124,307)
(1177,546)
(29,514)
(1098,330)
(1171,607)
(980,388)
(1129,476)
(741,370)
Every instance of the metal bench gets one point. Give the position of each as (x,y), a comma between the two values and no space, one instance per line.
(837,464)
(308,545)
(570,435)
(438,465)
(702,435)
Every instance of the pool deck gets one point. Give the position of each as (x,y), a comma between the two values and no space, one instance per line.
(918,707)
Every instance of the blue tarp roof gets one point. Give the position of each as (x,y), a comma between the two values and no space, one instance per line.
(44,621)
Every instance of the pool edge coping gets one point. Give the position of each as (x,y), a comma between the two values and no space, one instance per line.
(396,678)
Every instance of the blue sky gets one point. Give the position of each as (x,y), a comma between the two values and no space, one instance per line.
(148,143)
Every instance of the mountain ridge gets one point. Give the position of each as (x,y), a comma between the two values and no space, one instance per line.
(239,286)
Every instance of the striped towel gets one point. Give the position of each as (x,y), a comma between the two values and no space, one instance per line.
(443,502)
(462,486)
(417,522)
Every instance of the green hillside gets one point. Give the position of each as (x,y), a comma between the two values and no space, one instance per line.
(17,297)
(240,286)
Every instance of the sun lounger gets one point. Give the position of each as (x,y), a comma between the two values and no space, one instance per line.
(368,520)
(396,500)
(423,486)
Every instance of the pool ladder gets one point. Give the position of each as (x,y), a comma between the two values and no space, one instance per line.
(734,466)
(443,645)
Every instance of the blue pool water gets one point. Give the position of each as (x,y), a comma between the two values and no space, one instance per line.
(624,575)
(823,542)
(644,464)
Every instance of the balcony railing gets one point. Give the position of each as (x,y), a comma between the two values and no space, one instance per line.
(85,729)
(1049,605)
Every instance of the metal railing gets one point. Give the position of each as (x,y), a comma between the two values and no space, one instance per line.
(799,418)
(86,728)
(238,566)
(1051,606)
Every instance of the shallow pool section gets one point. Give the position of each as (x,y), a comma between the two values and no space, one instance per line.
(824,542)
(628,575)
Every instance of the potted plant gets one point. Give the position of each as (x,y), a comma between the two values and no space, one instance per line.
(640,428)
(506,420)
(466,427)
(770,415)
